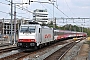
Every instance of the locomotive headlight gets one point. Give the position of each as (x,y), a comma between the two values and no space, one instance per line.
(20,43)
(32,44)
(32,40)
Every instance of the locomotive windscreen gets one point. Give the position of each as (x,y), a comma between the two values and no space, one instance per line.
(30,29)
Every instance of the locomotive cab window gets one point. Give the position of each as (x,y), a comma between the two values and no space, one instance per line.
(30,29)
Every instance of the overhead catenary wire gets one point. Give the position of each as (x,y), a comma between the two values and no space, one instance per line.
(9,13)
(54,6)
(33,12)
(13,14)
(49,9)
(69,8)
(24,9)
(59,9)
(44,7)
(20,7)
(4,12)
(4,3)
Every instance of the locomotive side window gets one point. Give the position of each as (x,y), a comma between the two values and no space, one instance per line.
(39,30)
(58,33)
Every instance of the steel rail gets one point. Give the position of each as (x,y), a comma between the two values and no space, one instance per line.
(65,53)
(8,49)
(62,51)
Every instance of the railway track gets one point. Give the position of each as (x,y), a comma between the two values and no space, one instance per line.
(6,44)
(59,54)
(8,49)
(36,54)
(15,56)
(21,55)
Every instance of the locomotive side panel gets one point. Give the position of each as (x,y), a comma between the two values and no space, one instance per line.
(46,35)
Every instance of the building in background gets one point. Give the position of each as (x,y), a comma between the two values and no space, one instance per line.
(5,25)
(41,16)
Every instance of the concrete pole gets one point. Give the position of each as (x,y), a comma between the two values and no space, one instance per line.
(55,23)
(53,17)
(11,19)
(14,23)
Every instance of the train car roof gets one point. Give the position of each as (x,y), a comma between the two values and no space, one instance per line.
(66,31)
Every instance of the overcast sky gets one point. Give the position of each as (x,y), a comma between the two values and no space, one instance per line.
(70,8)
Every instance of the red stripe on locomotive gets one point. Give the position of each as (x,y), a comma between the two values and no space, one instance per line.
(26,40)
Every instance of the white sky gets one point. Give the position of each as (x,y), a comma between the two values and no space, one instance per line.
(71,8)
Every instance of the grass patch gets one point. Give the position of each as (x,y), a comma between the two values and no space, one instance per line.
(87,42)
